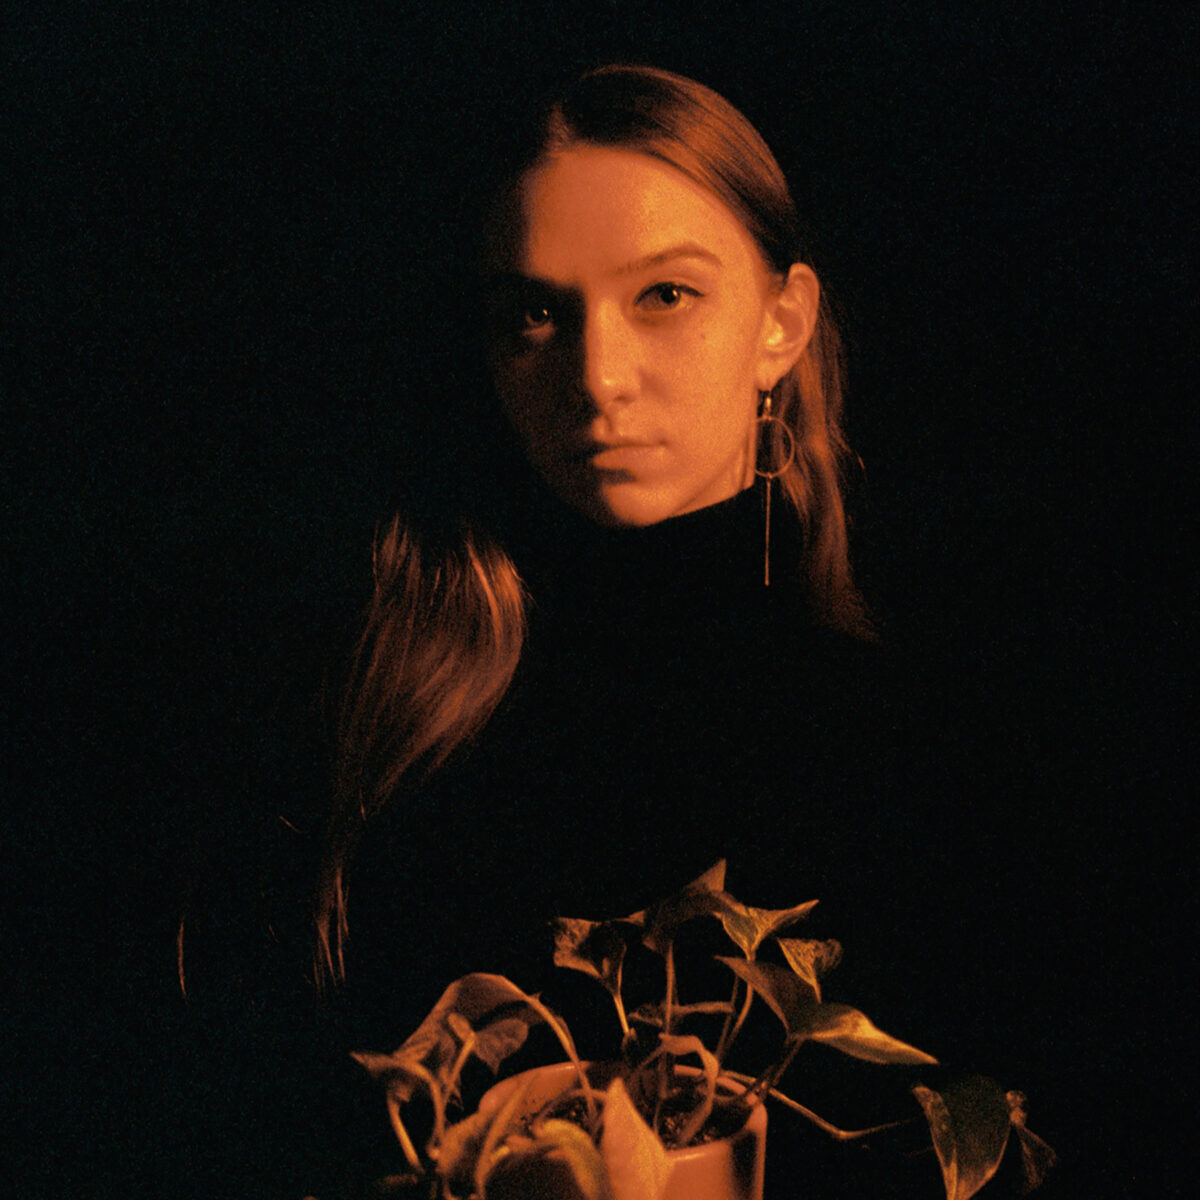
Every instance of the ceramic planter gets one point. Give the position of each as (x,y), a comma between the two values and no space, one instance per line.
(729,1169)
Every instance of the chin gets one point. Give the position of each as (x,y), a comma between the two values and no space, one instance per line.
(628,505)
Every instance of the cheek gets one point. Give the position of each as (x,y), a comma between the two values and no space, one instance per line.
(535,404)
(714,377)
(523,390)
(723,347)
(718,433)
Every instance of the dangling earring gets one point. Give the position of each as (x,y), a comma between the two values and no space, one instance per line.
(771,448)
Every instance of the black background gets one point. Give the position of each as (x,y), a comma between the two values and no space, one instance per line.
(229,260)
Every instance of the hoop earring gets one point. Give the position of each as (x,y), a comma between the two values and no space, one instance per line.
(776,450)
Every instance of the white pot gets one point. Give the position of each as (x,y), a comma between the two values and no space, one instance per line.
(728,1169)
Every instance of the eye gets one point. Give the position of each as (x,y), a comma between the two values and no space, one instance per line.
(523,314)
(535,317)
(662,297)
(528,323)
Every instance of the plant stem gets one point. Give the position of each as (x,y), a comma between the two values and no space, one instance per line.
(723,1042)
(741,1020)
(660,1095)
(771,1077)
(565,1041)
(667,1013)
(842,1135)
(464,1052)
(410,1151)
(621,1013)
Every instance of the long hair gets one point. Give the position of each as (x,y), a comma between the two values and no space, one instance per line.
(445,626)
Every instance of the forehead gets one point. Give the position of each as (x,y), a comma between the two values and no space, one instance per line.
(592,209)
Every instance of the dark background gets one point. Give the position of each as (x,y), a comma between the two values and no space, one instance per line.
(232,292)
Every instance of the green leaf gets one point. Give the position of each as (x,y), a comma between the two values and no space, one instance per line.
(499,1013)
(395,1073)
(1036,1156)
(491,1007)
(637,1161)
(503,1037)
(523,1173)
(503,1136)
(788,996)
(700,898)
(850,1031)
(554,1158)
(749,927)
(594,947)
(564,1140)
(811,959)
(794,1002)
(459,1150)
(652,1014)
(969,1123)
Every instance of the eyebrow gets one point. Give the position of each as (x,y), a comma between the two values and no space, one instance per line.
(683,250)
(512,278)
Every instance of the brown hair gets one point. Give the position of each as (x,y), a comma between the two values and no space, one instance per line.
(445,626)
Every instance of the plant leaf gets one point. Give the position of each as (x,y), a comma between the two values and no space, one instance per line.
(400,1081)
(652,1014)
(594,947)
(459,1150)
(700,898)
(811,959)
(850,1031)
(459,1026)
(503,1037)
(1036,1156)
(501,1137)
(794,1002)
(749,927)
(499,1013)
(788,996)
(969,1122)
(565,1141)
(636,1160)
(560,1161)
(492,1007)
(395,1074)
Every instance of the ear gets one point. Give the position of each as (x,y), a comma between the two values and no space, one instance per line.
(788,327)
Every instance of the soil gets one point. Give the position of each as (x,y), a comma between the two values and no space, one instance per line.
(725,1120)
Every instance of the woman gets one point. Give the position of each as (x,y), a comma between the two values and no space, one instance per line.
(623,664)
(597,659)
(656,342)
(618,641)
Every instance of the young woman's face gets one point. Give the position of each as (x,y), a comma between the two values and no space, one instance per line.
(631,334)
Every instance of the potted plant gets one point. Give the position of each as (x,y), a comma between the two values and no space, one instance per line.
(668,1118)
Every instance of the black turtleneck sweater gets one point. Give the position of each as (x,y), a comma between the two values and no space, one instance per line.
(668,710)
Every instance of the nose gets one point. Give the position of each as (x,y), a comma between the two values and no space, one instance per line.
(608,371)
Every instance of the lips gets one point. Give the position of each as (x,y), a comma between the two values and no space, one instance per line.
(624,454)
